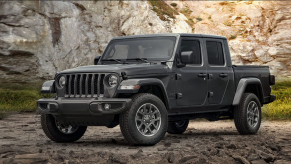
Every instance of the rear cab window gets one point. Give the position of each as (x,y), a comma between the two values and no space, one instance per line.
(215,53)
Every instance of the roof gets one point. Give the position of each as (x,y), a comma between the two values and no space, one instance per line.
(172,34)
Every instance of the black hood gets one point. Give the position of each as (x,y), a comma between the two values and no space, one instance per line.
(129,69)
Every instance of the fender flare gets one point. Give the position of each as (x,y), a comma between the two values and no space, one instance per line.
(241,87)
(48,87)
(144,82)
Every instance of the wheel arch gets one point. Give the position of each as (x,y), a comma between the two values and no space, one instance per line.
(150,85)
(248,85)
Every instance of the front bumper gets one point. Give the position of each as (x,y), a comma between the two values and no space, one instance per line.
(83,106)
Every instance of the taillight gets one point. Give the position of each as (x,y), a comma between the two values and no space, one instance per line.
(272,79)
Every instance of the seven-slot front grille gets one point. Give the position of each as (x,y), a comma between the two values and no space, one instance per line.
(84,85)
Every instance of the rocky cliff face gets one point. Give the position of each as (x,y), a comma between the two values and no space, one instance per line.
(39,38)
(259,32)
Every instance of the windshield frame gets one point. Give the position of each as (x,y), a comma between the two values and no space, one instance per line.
(171,58)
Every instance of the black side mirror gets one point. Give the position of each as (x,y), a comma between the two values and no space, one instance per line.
(96,60)
(186,57)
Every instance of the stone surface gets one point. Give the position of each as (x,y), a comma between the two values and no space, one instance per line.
(40,38)
(96,147)
(262,30)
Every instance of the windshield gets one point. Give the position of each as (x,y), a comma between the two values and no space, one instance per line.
(154,49)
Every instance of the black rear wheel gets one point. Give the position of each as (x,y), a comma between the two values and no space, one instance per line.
(178,127)
(58,132)
(247,115)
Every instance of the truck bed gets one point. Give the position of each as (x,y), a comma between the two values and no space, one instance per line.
(260,72)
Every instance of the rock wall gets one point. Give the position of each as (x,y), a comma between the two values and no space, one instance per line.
(39,38)
(259,32)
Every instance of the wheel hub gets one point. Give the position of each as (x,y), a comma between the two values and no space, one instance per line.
(253,114)
(66,129)
(148,119)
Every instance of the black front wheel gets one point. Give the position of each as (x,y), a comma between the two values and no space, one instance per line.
(145,123)
(59,132)
(178,127)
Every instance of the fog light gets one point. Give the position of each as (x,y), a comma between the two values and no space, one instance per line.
(107,106)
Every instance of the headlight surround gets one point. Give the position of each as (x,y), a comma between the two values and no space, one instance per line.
(112,80)
(62,81)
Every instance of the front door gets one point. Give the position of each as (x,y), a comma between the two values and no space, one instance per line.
(191,80)
(218,72)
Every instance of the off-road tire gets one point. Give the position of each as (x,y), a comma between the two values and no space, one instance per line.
(240,115)
(128,125)
(174,129)
(52,132)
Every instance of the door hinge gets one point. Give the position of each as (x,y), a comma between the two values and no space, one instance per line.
(178,95)
(178,76)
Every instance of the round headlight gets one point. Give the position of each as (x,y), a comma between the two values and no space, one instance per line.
(62,81)
(112,80)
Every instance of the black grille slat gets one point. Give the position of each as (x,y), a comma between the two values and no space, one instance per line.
(92,85)
(78,84)
(98,85)
(84,85)
(72,88)
(89,86)
(75,85)
(96,80)
(70,83)
(102,84)
(81,85)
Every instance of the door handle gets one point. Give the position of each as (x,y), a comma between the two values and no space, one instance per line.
(223,75)
(202,75)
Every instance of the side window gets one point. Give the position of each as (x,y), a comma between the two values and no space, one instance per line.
(194,46)
(215,53)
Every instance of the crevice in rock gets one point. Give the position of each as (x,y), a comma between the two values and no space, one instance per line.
(55,29)
(12,25)
(80,6)
(18,53)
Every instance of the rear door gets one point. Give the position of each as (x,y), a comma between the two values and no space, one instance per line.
(192,79)
(218,72)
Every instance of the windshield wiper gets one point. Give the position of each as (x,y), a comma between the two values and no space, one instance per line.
(142,59)
(117,60)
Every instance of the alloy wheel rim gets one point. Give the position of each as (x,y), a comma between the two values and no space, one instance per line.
(148,119)
(66,129)
(253,114)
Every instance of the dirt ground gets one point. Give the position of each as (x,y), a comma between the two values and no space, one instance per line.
(22,141)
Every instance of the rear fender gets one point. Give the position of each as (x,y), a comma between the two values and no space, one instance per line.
(242,85)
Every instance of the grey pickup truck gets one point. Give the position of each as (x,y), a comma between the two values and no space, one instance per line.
(153,84)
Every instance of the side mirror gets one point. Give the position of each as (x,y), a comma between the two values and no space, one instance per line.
(186,57)
(96,59)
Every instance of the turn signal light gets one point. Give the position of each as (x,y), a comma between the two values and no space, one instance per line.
(126,87)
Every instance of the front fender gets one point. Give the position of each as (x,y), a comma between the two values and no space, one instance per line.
(242,85)
(143,82)
(48,87)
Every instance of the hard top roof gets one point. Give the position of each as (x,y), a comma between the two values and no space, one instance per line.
(172,34)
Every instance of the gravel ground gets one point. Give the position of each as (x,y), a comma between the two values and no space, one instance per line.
(23,141)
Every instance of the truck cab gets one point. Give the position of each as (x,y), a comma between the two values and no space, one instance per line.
(153,84)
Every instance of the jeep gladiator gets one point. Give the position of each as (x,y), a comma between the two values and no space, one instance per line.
(153,84)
